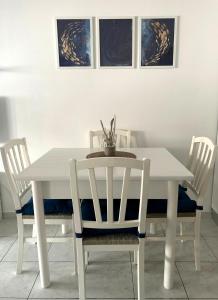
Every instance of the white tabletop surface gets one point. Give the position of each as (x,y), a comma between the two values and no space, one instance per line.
(54,165)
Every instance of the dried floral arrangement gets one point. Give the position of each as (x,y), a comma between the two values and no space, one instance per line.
(109,135)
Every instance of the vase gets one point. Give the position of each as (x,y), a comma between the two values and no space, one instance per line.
(110,150)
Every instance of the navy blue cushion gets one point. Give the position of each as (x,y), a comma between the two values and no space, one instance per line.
(51,207)
(155,206)
(185,204)
(159,206)
(88,214)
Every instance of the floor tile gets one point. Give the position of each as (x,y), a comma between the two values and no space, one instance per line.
(63,282)
(109,280)
(154,272)
(12,285)
(155,251)
(30,253)
(208,227)
(159,229)
(61,252)
(213,244)
(109,256)
(5,245)
(185,251)
(202,284)
(8,227)
(51,230)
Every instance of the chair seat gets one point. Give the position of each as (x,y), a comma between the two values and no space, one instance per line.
(112,239)
(51,207)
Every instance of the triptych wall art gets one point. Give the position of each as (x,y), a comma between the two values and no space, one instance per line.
(125,42)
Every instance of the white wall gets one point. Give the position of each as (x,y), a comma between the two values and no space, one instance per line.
(215,184)
(56,108)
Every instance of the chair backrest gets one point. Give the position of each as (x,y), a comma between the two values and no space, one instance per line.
(15,159)
(109,164)
(201,160)
(123,138)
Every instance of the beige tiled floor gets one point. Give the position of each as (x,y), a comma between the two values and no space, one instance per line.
(109,275)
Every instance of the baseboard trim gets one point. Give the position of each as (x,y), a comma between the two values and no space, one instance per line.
(214,216)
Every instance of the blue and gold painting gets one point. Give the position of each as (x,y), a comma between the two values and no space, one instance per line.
(157,42)
(74,42)
(115,38)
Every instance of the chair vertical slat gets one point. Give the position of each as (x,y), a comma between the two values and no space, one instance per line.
(26,158)
(191,155)
(124,194)
(14,171)
(128,139)
(21,160)
(204,172)
(109,183)
(12,163)
(118,140)
(20,156)
(202,166)
(199,159)
(26,153)
(96,203)
(100,141)
(198,148)
(18,167)
(16,160)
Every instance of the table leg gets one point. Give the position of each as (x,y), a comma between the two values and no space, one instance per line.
(170,245)
(41,234)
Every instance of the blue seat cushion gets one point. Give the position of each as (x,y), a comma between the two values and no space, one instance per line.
(51,207)
(88,214)
(185,204)
(155,206)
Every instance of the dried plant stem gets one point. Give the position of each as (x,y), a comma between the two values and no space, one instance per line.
(110,136)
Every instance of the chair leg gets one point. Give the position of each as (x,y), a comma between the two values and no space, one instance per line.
(141,269)
(81,269)
(34,234)
(20,228)
(64,228)
(86,258)
(181,230)
(197,241)
(135,255)
(152,228)
(74,247)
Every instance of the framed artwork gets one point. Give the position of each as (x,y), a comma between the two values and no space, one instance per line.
(116,42)
(157,42)
(75,42)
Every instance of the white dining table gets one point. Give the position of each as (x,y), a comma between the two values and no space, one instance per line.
(50,179)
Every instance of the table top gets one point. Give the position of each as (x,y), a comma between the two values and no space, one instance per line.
(54,165)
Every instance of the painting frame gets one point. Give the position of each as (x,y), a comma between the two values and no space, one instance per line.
(92,42)
(175,42)
(98,43)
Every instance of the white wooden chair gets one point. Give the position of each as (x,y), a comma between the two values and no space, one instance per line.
(124,139)
(15,158)
(201,160)
(112,241)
